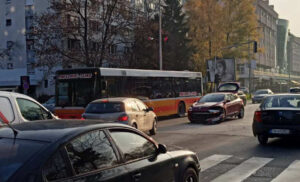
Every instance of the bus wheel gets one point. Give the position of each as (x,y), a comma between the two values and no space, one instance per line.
(181,109)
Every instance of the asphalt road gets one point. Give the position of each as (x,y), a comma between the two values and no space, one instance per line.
(229,151)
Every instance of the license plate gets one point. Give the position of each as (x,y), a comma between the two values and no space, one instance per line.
(280,131)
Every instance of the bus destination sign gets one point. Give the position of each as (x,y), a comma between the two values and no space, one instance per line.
(75,76)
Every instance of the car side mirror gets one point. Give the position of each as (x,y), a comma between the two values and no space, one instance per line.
(49,116)
(150,109)
(162,149)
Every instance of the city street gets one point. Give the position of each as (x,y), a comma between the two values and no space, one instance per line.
(229,152)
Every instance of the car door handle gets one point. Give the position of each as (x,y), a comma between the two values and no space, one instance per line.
(137,176)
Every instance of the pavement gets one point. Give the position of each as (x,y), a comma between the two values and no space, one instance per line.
(229,151)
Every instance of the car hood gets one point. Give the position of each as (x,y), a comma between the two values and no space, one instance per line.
(261,95)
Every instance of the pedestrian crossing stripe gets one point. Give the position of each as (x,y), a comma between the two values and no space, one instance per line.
(213,161)
(249,167)
(244,170)
(290,174)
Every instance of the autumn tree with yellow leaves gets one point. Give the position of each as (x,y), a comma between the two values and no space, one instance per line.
(216,25)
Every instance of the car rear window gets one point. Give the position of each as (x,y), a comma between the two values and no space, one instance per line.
(289,101)
(13,154)
(105,107)
(261,92)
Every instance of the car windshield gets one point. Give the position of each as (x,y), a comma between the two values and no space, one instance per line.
(212,98)
(261,92)
(290,101)
(13,154)
(228,87)
(105,107)
(294,90)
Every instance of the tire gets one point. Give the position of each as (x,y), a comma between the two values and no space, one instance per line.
(262,139)
(154,128)
(181,109)
(241,113)
(189,175)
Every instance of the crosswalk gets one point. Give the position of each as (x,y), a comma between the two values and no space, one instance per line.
(246,168)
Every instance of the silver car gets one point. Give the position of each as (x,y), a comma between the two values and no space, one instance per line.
(259,95)
(18,108)
(129,111)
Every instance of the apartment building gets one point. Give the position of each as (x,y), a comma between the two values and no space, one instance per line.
(18,61)
(293,54)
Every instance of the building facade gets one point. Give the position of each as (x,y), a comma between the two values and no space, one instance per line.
(293,55)
(18,60)
(282,41)
(267,25)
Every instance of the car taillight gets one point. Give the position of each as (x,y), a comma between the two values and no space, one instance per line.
(257,116)
(123,118)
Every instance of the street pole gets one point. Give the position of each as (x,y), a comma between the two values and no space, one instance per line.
(249,62)
(160,39)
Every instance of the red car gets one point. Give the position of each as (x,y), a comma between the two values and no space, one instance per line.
(215,107)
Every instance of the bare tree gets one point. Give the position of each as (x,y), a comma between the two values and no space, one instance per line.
(82,32)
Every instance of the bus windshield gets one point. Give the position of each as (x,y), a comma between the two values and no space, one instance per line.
(75,92)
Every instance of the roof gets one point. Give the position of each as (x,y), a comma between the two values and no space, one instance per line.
(137,72)
(52,130)
(113,99)
(7,94)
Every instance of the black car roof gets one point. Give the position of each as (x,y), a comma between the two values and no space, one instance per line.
(52,130)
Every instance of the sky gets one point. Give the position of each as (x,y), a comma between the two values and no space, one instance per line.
(289,9)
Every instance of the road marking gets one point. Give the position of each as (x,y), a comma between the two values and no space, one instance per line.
(290,174)
(244,170)
(212,161)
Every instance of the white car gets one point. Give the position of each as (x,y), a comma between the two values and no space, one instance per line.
(18,108)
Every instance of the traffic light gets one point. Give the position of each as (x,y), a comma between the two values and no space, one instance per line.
(255,46)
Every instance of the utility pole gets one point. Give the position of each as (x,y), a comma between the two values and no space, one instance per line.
(160,39)
(249,64)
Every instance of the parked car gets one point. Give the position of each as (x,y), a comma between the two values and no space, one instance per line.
(295,90)
(129,111)
(259,95)
(215,107)
(50,104)
(277,116)
(18,108)
(76,150)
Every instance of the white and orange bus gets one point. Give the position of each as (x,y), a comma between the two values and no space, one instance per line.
(167,92)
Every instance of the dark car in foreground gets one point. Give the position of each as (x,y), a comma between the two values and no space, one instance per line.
(277,116)
(259,95)
(294,90)
(77,150)
(215,107)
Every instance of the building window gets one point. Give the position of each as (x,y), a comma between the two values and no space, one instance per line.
(8,22)
(9,44)
(46,84)
(73,44)
(113,49)
(10,66)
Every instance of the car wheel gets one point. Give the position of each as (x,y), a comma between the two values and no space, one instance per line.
(154,128)
(190,175)
(241,113)
(181,109)
(262,139)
